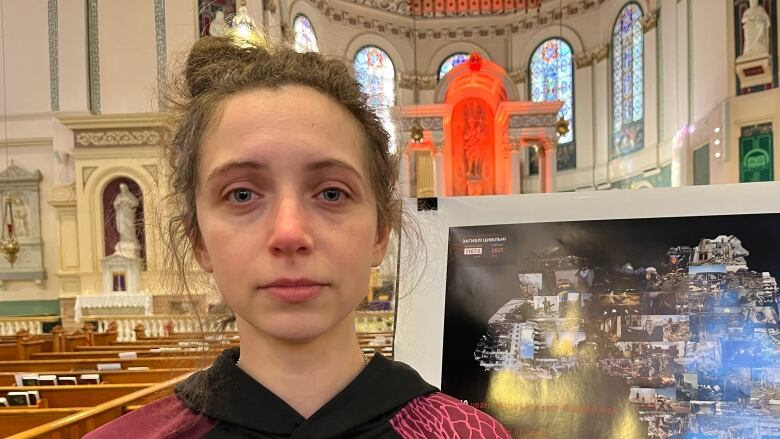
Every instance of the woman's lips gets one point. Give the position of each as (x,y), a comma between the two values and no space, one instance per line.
(294,293)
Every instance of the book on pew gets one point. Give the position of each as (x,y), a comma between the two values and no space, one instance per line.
(3,402)
(90,378)
(109,366)
(67,381)
(18,398)
(128,355)
(30,380)
(35,396)
(47,380)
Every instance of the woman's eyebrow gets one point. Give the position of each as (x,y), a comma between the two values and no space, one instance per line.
(232,165)
(334,163)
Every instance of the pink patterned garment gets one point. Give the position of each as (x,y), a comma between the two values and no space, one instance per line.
(438,416)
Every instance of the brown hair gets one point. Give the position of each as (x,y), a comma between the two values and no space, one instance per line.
(215,70)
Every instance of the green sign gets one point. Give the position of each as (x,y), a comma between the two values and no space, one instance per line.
(756,158)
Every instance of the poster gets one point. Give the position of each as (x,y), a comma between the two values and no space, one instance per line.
(619,328)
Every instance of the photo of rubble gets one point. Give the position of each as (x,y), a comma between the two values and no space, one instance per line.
(680,335)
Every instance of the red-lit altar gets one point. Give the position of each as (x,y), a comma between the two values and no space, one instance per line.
(471,142)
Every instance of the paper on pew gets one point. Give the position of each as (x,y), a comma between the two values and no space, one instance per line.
(47,380)
(3,402)
(130,355)
(90,378)
(67,381)
(138,368)
(109,366)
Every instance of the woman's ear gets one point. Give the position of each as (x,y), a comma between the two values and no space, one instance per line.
(380,246)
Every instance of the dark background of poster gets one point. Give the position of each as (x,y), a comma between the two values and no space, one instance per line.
(475,291)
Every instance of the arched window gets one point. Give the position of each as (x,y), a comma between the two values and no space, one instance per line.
(552,79)
(375,72)
(305,39)
(452,61)
(627,82)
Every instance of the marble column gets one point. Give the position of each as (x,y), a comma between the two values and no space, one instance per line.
(515,171)
(548,165)
(437,138)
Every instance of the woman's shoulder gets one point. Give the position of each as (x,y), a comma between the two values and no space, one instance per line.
(446,417)
(167,418)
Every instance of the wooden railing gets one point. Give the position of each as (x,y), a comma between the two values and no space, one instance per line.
(79,424)
(9,326)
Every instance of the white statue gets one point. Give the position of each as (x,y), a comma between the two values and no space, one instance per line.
(125,206)
(756,24)
(218,26)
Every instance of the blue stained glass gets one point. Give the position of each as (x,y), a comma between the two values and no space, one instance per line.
(305,39)
(452,61)
(627,75)
(551,74)
(375,71)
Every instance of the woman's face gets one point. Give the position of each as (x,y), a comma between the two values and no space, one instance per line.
(286,212)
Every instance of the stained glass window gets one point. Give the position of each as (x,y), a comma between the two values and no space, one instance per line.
(305,39)
(552,79)
(375,72)
(627,82)
(452,61)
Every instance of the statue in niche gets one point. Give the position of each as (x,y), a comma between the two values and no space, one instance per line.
(474,135)
(125,207)
(756,24)
(21,215)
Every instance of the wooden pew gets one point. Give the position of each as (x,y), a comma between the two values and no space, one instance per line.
(83,395)
(110,376)
(161,362)
(145,347)
(15,420)
(79,424)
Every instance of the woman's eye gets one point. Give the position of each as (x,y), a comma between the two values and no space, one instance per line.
(241,195)
(332,194)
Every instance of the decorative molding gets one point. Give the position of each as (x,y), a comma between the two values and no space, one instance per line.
(19,175)
(111,121)
(587,59)
(86,172)
(649,20)
(424,82)
(582,60)
(93,53)
(54,63)
(601,53)
(162,53)
(142,137)
(389,19)
(62,196)
(532,120)
(519,76)
(45,142)
(427,123)
(401,7)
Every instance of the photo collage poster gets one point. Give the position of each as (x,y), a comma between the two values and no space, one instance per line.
(631,328)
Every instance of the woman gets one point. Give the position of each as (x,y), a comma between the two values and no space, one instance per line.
(286,191)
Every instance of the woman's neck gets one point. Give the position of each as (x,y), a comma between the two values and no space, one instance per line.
(305,375)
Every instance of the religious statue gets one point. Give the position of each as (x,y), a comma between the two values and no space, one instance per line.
(474,135)
(125,206)
(218,26)
(21,216)
(756,24)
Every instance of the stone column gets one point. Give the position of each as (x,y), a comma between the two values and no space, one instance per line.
(404,175)
(548,165)
(515,171)
(437,138)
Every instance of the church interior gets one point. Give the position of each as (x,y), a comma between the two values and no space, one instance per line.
(481,98)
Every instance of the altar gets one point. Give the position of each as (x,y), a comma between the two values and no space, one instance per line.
(113,304)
